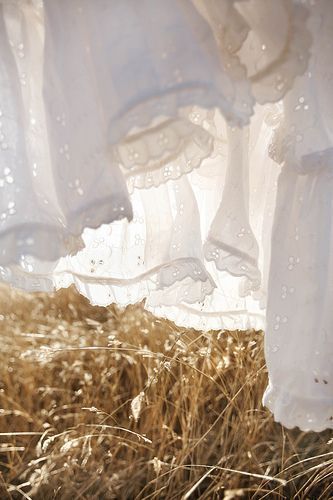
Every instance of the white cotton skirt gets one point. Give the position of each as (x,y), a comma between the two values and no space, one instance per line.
(178,153)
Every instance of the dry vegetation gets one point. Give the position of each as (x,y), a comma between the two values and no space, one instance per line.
(100,403)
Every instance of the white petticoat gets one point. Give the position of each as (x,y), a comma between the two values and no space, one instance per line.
(182,153)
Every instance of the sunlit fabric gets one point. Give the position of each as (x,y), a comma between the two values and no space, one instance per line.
(178,152)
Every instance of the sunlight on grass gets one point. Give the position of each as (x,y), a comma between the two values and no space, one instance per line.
(100,403)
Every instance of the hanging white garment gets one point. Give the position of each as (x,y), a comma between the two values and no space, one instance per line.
(178,152)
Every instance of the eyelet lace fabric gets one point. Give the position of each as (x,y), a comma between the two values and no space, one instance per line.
(178,153)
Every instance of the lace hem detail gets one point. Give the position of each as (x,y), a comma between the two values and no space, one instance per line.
(291,410)
(106,211)
(239,43)
(39,240)
(236,262)
(169,105)
(182,280)
(50,242)
(163,152)
(185,315)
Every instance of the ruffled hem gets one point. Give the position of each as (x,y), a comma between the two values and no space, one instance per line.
(163,152)
(106,211)
(185,315)
(182,280)
(169,104)
(290,410)
(49,242)
(236,263)
(42,241)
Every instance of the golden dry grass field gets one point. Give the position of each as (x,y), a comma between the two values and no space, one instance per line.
(99,403)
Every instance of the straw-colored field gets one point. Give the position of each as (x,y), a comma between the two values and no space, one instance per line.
(103,404)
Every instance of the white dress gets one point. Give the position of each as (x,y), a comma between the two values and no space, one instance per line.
(180,152)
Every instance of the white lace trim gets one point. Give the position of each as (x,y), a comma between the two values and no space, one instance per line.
(181,280)
(105,211)
(236,262)
(50,242)
(163,152)
(229,22)
(184,315)
(40,240)
(168,105)
(292,410)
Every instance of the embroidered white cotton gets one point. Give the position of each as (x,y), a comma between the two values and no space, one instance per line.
(180,152)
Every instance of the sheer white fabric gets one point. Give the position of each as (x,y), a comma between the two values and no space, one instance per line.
(178,153)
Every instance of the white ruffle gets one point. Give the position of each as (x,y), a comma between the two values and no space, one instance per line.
(165,151)
(292,409)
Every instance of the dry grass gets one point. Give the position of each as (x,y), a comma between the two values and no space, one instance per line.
(106,404)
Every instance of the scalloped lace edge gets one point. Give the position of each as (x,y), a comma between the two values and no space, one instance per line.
(228,320)
(121,291)
(291,410)
(49,242)
(236,263)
